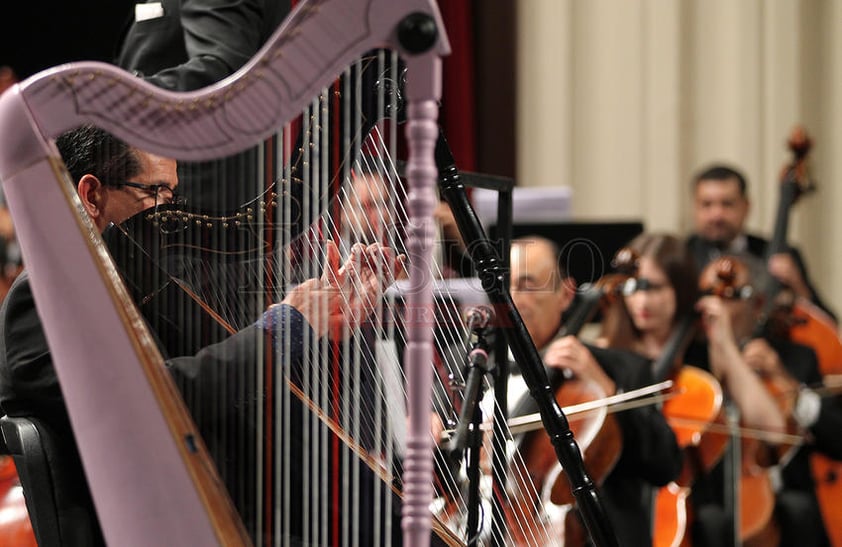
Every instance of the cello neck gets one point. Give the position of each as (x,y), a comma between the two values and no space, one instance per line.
(585,310)
(788,195)
(675,346)
(795,181)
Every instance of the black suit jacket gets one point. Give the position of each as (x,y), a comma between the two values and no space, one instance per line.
(650,457)
(801,362)
(194,44)
(29,387)
(703,252)
(199,42)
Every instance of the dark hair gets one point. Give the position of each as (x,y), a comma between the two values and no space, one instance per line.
(671,255)
(91,150)
(723,173)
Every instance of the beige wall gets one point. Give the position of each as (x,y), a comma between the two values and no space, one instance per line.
(624,99)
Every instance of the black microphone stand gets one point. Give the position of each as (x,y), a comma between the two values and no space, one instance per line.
(468,434)
(494,277)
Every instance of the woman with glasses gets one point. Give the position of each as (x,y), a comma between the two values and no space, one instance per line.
(664,291)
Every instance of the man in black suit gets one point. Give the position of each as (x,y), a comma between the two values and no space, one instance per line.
(650,456)
(113,187)
(185,45)
(720,209)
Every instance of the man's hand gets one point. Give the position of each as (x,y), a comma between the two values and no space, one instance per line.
(716,321)
(346,295)
(722,344)
(762,358)
(570,354)
(783,268)
(765,361)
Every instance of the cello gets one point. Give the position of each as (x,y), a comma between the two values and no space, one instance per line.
(598,434)
(697,405)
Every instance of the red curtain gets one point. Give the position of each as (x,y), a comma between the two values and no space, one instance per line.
(458,114)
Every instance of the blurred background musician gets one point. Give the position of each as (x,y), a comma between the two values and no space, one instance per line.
(757,372)
(372,209)
(662,294)
(720,210)
(650,456)
(656,317)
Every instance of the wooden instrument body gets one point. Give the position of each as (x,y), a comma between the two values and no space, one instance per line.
(813,328)
(697,405)
(809,325)
(598,436)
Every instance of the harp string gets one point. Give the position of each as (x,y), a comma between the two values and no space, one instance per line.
(356,409)
(451,342)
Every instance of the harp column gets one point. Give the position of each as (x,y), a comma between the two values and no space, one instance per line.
(417,34)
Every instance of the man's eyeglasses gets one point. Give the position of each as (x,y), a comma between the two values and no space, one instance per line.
(155,190)
(731,293)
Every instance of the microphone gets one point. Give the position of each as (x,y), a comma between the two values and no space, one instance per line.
(479,317)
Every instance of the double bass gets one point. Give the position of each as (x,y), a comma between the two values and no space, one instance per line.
(807,324)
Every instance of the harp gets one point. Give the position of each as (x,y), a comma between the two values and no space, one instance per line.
(95,332)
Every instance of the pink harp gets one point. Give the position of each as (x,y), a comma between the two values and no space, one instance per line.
(109,366)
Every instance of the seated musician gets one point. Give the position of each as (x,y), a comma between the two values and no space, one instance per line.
(373,209)
(745,364)
(720,211)
(664,292)
(650,456)
(114,182)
